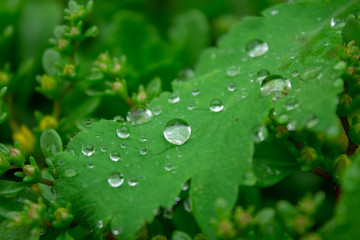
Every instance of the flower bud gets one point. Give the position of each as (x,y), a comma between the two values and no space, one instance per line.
(119,87)
(4,164)
(226,229)
(48,122)
(16,157)
(63,218)
(63,44)
(340,164)
(69,71)
(4,78)
(308,156)
(26,138)
(31,174)
(48,83)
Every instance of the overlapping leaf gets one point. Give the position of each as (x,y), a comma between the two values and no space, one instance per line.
(218,155)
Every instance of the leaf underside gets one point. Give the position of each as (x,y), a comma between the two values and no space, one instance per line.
(218,156)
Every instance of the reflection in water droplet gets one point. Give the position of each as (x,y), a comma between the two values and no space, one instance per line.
(233,71)
(100,224)
(88,149)
(70,172)
(231,86)
(216,105)
(115,156)
(276,86)
(188,205)
(143,150)
(115,179)
(177,131)
(185,187)
(259,134)
(291,104)
(132,182)
(142,138)
(169,167)
(195,91)
(262,74)
(156,110)
(139,116)
(116,231)
(123,145)
(123,132)
(291,126)
(256,48)
(173,98)
(337,23)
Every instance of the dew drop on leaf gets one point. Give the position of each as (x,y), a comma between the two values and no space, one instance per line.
(233,71)
(115,179)
(139,116)
(103,149)
(256,48)
(99,224)
(123,132)
(143,150)
(231,86)
(90,164)
(70,172)
(89,122)
(142,138)
(312,121)
(262,74)
(188,205)
(174,98)
(190,106)
(259,133)
(276,86)
(123,145)
(310,72)
(295,74)
(119,119)
(291,104)
(195,91)
(177,131)
(88,149)
(216,105)
(116,231)
(337,23)
(132,181)
(156,110)
(115,156)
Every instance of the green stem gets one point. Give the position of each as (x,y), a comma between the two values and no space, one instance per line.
(351,148)
(47,182)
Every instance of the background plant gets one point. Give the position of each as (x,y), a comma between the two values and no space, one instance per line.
(273,113)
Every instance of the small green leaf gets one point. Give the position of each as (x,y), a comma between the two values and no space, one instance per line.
(3,91)
(10,188)
(50,59)
(91,32)
(50,143)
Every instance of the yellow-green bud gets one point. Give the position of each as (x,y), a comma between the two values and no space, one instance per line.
(69,71)
(63,218)
(308,156)
(354,130)
(4,78)
(62,44)
(226,229)
(242,217)
(119,87)
(75,32)
(141,96)
(48,122)
(48,83)
(16,157)
(312,236)
(340,164)
(159,237)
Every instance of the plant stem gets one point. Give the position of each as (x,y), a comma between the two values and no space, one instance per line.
(47,182)
(351,146)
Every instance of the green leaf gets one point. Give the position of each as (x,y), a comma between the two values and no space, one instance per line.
(50,59)
(50,143)
(10,188)
(65,236)
(218,155)
(17,233)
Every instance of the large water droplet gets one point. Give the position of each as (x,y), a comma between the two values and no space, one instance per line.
(256,48)
(262,74)
(115,179)
(233,71)
(115,156)
(70,172)
(231,86)
(88,149)
(291,104)
(259,134)
(177,131)
(123,131)
(140,116)
(216,105)
(276,86)
(173,98)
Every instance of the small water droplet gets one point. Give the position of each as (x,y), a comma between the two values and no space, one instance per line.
(89,122)
(337,23)
(256,48)
(262,74)
(168,213)
(233,71)
(274,12)
(116,179)
(103,149)
(312,121)
(185,187)
(142,138)
(216,105)
(139,116)
(259,133)
(190,106)
(169,166)
(123,132)
(275,85)
(156,110)
(100,224)
(195,91)
(295,74)
(88,149)
(116,231)
(132,182)
(177,131)
(291,104)
(291,126)
(115,156)
(173,98)
(90,164)
(70,172)
(310,72)
(123,145)
(119,119)
(231,86)
(143,150)
(188,205)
